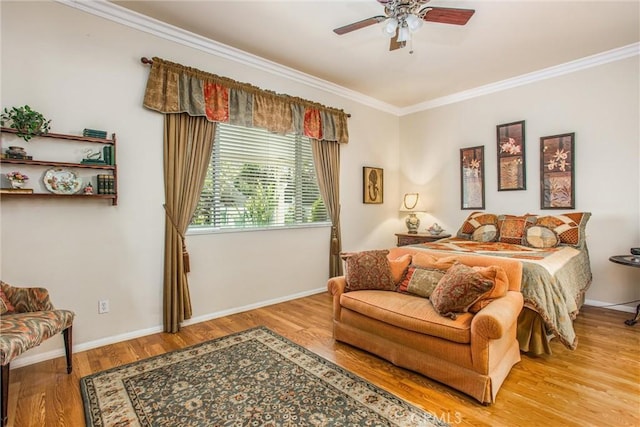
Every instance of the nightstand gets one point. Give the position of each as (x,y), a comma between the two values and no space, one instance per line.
(414,239)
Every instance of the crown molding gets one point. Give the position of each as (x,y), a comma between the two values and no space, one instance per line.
(140,22)
(129,18)
(525,79)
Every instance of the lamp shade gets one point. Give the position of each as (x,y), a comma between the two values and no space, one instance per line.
(410,202)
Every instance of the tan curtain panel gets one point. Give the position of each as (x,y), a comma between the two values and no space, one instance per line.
(188,142)
(326,159)
(174,88)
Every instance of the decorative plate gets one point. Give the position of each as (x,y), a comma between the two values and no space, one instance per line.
(61,181)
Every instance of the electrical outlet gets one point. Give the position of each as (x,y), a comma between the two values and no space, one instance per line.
(103,306)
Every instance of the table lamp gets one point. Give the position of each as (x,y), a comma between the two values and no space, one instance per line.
(410,204)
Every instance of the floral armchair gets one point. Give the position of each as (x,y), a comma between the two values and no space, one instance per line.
(27,318)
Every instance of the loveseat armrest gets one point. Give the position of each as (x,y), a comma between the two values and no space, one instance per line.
(495,319)
(336,286)
(27,300)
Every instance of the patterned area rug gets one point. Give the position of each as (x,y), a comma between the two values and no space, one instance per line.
(251,378)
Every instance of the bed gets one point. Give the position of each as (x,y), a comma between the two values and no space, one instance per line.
(556,268)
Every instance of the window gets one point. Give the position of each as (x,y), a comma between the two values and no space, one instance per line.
(258,179)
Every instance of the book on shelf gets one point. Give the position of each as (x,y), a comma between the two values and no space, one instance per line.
(107,154)
(106,184)
(16,190)
(93,133)
(15,156)
(93,162)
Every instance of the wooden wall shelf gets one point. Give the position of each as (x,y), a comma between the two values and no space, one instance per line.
(113,169)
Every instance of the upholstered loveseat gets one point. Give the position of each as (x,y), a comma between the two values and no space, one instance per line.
(471,352)
(27,318)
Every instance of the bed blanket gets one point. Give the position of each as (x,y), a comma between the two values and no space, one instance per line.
(554,279)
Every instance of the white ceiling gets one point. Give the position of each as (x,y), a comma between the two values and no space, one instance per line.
(502,40)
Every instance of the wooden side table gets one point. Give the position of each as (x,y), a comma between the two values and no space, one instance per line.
(632,261)
(415,239)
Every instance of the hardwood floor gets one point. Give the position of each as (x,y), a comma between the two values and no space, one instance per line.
(597,384)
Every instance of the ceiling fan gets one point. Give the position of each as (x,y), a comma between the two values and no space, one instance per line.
(406,16)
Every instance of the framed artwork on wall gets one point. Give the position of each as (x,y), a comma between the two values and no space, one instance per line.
(472,177)
(372,185)
(511,158)
(557,167)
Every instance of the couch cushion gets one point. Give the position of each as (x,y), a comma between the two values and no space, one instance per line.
(421,281)
(408,312)
(368,270)
(399,267)
(22,331)
(459,289)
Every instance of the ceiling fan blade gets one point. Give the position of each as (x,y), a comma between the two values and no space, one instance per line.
(448,15)
(395,44)
(360,24)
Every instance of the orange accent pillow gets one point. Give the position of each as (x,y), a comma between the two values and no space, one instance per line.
(399,267)
(498,276)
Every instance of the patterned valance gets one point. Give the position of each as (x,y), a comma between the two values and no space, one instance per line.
(174,88)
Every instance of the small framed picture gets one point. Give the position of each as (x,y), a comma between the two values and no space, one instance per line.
(372,185)
(511,158)
(557,171)
(472,177)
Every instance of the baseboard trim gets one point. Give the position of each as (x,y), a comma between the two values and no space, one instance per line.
(617,307)
(26,359)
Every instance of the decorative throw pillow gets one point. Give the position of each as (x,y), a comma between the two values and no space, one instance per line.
(498,276)
(458,290)
(5,304)
(475,220)
(541,237)
(512,228)
(570,227)
(485,233)
(421,281)
(368,270)
(399,267)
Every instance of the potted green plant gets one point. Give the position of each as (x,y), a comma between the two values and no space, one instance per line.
(27,122)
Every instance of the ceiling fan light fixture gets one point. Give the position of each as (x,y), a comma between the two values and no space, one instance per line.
(404,34)
(389,27)
(413,22)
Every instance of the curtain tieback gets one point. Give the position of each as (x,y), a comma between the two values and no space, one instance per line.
(335,250)
(185,254)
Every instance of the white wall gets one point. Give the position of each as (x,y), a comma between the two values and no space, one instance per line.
(84,71)
(600,104)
